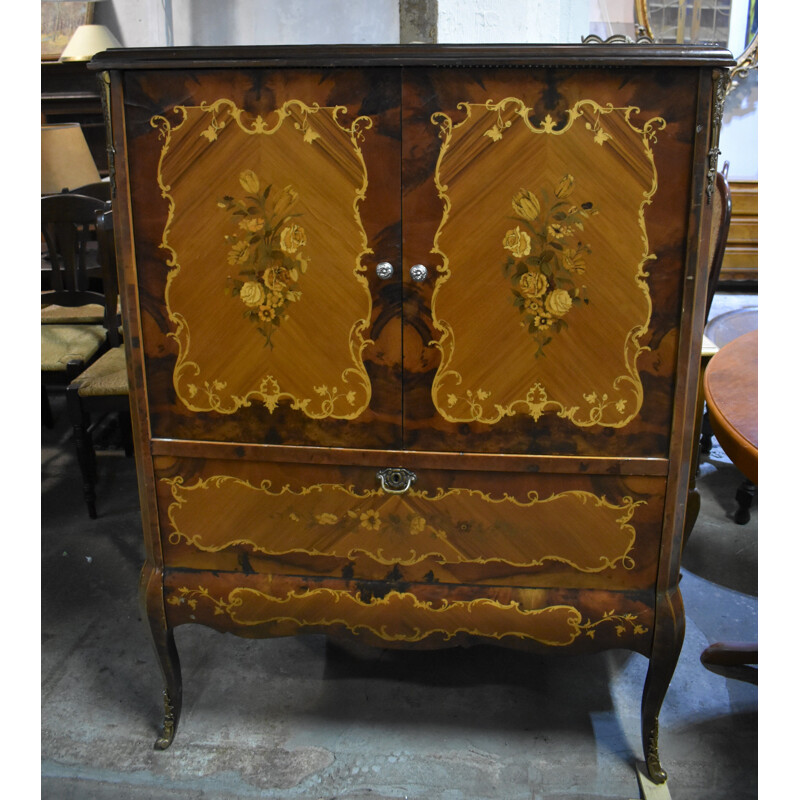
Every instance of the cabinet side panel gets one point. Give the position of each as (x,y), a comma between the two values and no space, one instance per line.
(711,94)
(120,170)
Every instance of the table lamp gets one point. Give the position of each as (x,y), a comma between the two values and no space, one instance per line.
(67,162)
(88,40)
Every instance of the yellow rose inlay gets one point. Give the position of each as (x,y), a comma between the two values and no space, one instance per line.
(518,242)
(252,293)
(558,302)
(293,237)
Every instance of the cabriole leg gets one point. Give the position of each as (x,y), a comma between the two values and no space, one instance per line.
(163,639)
(668,639)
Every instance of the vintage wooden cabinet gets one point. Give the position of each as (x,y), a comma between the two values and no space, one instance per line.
(413,338)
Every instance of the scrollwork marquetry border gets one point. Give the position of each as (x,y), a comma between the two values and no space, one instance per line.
(332,403)
(179,492)
(406,613)
(537,400)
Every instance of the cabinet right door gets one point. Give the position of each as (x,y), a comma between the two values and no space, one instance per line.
(551,209)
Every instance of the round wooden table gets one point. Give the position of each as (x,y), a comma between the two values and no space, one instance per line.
(731,391)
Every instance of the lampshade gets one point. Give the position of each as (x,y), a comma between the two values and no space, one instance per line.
(88,40)
(67,162)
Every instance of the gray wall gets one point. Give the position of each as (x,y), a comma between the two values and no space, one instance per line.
(146,23)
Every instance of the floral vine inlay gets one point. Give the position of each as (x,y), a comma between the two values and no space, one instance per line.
(267,249)
(589,159)
(253,262)
(402,616)
(547,256)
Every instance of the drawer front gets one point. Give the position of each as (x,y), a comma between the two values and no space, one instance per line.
(449,526)
(417,615)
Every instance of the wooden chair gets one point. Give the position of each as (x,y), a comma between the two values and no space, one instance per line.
(102,388)
(101,190)
(75,319)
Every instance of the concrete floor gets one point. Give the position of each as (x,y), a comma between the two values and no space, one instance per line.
(301,719)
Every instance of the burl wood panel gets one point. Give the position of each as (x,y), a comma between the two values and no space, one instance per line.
(549,324)
(450,527)
(262,317)
(416,616)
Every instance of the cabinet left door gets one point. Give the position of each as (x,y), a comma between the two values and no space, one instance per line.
(262,202)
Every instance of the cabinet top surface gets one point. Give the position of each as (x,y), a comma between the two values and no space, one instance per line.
(451,55)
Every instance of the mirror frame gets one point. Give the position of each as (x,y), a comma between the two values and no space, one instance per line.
(744,62)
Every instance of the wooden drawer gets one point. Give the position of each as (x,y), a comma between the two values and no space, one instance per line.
(452,526)
(740,261)
(415,615)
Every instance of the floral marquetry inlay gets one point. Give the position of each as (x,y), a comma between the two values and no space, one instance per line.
(266,248)
(547,258)
(275,254)
(403,617)
(555,207)
(452,526)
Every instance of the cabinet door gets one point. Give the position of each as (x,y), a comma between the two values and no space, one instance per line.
(552,209)
(261,202)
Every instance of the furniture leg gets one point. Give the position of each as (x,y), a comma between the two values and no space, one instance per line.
(705,434)
(670,626)
(744,497)
(692,512)
(127,432)
(47,412)
(163,639)
(83,447)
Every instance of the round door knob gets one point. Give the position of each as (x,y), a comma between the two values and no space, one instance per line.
(419,272)
(384,270)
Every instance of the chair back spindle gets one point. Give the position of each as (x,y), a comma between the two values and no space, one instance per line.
(68,223)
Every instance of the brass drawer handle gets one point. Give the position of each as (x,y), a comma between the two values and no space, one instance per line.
(396,480)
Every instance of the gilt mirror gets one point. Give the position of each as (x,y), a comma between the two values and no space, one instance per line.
(731,23)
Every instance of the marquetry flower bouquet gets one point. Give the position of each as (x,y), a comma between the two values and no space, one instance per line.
(267,249)
(547,258)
